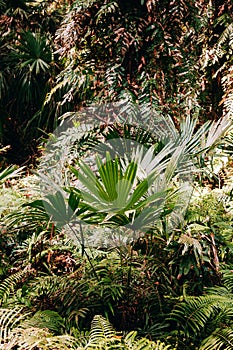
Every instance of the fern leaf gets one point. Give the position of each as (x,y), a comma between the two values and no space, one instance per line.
(100,329)
(220,339)
(39,338)
(194,313)
(106,9)
(46,319)
(132,343)
(228,279)
(9,283)
(10,318)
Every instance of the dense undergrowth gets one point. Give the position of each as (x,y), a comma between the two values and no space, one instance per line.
(66,282)
(164,290)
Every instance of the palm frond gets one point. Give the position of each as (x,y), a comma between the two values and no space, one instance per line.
(217,130)
(33,52)
(10,172)
(26,218)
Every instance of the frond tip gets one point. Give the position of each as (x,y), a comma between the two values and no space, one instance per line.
(220,339)
(101,329)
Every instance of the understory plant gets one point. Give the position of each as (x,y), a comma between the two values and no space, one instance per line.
(137,285)
(45,330)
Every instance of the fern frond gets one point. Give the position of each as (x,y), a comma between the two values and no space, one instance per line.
(225,36)
(220,339)
(101,329)
(195,312)
(84,4)
(104,337)
(227,101)
(132,343)
(10,318)
(46,319)
(222,291)
(40,338)
(228,279)
(7,286)
(106,9)
(17,329)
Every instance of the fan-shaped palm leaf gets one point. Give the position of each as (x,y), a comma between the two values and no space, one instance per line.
(34,52)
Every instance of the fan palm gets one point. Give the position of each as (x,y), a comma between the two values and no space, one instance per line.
(34,52)
(26,71)
(33,57)
(118,195)
(28,68)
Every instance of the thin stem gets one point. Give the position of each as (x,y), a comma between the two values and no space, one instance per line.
(84,252)
(129,271)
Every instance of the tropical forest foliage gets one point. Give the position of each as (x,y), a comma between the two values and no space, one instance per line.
(116,174)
